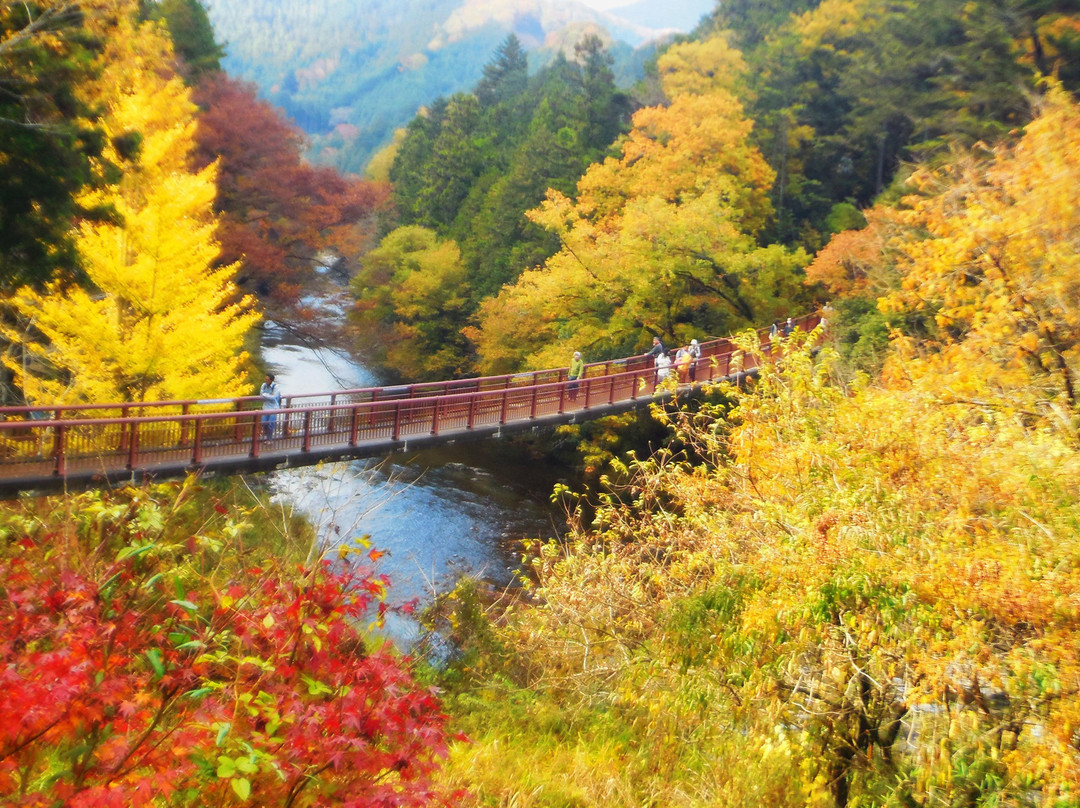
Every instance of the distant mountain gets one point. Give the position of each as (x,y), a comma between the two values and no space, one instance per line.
(350,72)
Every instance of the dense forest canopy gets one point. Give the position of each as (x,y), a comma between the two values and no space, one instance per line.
(835,99)
(48,137)
(141,186)
(466,170)
(845,92)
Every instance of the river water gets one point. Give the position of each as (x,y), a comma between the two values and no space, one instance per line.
(436,514)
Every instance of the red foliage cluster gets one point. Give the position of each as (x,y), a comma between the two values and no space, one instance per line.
(130,682)
(278,212)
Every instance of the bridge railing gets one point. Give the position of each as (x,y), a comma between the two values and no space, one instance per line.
(60,446)
(125,410)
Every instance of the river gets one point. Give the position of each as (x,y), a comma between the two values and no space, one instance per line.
(436,514)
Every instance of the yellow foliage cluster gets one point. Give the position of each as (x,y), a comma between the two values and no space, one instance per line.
(861,594)
(999,268)
(867,594)
(157,319)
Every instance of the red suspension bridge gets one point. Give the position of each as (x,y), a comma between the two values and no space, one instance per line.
(77,446)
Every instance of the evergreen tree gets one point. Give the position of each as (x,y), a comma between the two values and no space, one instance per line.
(607,111)
(48,137)
(456,163)
(413,160)
(192,35)
(505,75)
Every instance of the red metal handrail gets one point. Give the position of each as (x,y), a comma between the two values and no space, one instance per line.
(391,392)
(62,446)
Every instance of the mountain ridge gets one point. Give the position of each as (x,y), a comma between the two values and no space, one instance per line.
(350,73)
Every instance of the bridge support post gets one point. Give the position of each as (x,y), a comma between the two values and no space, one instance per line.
(239,427)
(125,413)
(255,424)
(196,454)
(307,430)
(61,450)
(354,425)
(133,446)
(185,410)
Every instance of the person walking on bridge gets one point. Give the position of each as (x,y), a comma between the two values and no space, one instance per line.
(573,373)
(271,398)
(656,350)
(683,360)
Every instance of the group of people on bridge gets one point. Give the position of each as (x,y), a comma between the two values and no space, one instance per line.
(683,363)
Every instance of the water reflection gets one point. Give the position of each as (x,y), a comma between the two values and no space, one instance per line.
(436,513)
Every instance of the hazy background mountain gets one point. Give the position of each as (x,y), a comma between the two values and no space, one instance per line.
(350,72)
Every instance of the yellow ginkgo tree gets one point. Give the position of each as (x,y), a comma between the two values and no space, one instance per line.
(154,318)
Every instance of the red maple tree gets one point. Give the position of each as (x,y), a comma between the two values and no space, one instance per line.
(279,213)
(133,672)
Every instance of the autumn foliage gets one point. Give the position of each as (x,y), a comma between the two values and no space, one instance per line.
(999,269)
(155,317)
(150,657)
(659,240)
(279,214)
(834,591)
(846,266)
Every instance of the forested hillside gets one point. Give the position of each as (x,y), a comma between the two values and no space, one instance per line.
(465,171)
(831,588)
(778,125)
(350,73)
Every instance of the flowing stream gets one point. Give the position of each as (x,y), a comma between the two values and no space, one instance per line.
(436,513)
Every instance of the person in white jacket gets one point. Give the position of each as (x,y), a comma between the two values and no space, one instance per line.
(663,367)
(271,398)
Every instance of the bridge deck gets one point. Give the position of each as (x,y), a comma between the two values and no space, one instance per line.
(44,449)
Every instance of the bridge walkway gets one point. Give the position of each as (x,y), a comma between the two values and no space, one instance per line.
(56,448)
